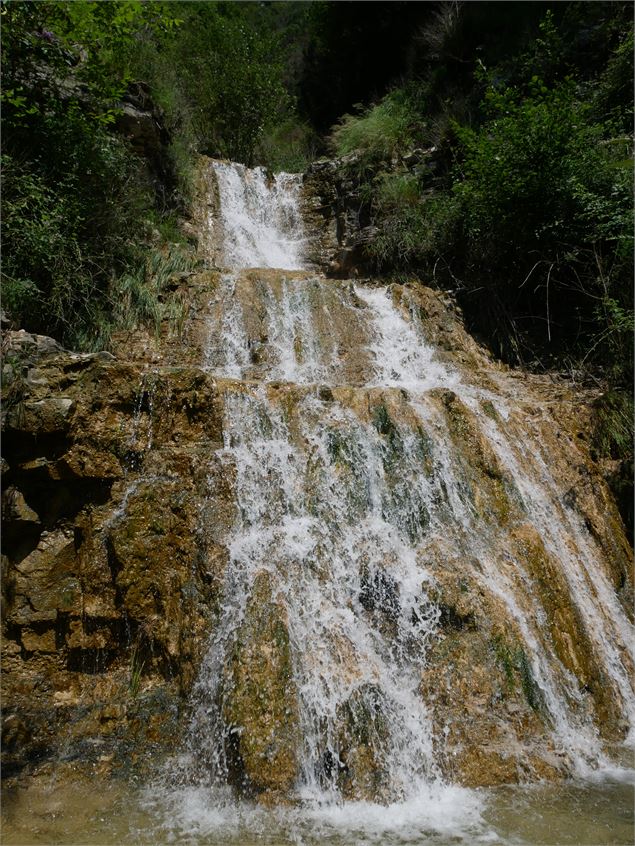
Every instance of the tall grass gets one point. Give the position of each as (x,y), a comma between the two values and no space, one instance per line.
(378,132)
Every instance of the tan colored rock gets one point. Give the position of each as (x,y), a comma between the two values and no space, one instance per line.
(15,508)
(569,637)
(46,416)
(83,462)
(492,489)
(260,700)
(487,714)
(33,641)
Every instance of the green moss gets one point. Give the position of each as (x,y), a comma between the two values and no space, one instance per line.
(67,597)
(515,665)
(381,420)
(504,659)
(491,491)
(407,511)
(424,450)
(489,409)
(336,446)
(362,738)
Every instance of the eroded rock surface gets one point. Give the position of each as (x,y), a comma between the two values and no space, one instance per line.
(260,701)
(109,583)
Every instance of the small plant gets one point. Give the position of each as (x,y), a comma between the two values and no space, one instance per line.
(613,436)
(13,387)
(289,146)
(144,295)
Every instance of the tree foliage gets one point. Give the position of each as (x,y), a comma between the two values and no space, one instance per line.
(73,195)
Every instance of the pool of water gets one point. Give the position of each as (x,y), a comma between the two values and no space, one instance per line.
(52,810)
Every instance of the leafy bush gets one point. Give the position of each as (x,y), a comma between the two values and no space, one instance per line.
(546,213)
(75,198)
(290,146)
(218,77)
(69,223)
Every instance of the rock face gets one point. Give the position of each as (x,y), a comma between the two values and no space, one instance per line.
(339,215)
(142,123)
(260,703)
(108,584)
(226,485)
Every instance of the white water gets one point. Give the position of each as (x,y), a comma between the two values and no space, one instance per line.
(323,522)
(336,504)
(260,218)
(401,358)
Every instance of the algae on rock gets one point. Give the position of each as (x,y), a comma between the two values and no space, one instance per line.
(260,704)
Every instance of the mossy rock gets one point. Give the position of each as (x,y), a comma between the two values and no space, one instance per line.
(260,701)
(492,492)
(567,631)
(363,738)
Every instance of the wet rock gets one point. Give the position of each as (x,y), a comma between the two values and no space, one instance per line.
(569,637)
(491,488)
(158,526)
(120,500)
(47,416)
(489,726)
(15,732)
(362,742)
(34,641)
(379,592)
(260,700)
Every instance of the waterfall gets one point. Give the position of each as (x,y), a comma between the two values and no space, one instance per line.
(260,217)
(366,463)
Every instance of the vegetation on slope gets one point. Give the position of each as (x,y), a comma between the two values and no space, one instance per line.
(76,200)
(86,219)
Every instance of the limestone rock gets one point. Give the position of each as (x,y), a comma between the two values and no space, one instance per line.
(362,738)
(260,700)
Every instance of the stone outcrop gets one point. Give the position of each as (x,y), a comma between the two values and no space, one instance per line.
(109,584)
(260,701)
(142,123)
(338,212)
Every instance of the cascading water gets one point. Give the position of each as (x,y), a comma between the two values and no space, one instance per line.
(357,451)
(260,217)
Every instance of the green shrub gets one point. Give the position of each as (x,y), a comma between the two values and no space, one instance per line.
(546,214)
(414,230)
(75,198)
